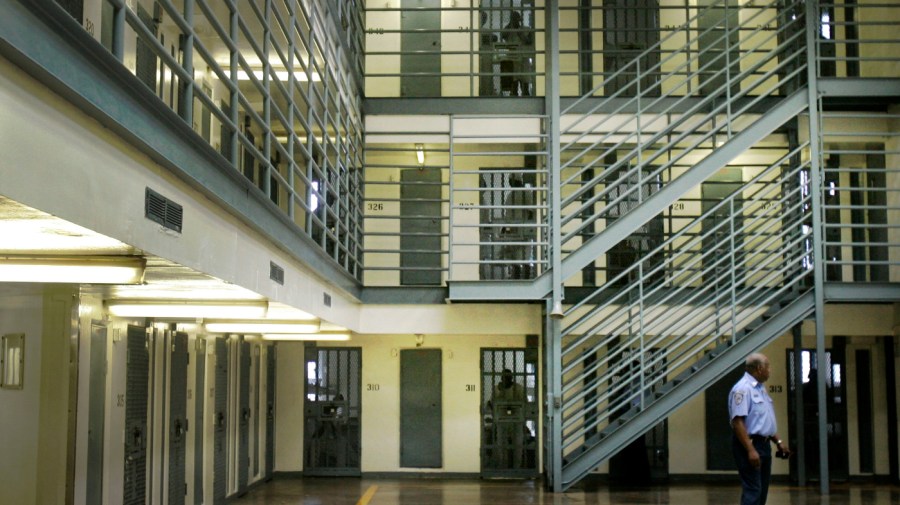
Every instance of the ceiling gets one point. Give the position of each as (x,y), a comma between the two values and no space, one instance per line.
(31,232)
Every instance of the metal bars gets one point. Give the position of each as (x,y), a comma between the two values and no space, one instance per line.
(861,237)
(622,150)
(855,40)
(265,84)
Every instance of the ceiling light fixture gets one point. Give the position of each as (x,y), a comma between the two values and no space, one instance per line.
(261,327)
(73,270)
(188,309)
(329,337)
(420,154)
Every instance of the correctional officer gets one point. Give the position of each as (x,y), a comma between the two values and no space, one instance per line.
(753,423)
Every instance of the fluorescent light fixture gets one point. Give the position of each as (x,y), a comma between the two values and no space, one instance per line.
(262,327)
(281,75)
(322,337)
(420,154)
(188,309)
(72,270)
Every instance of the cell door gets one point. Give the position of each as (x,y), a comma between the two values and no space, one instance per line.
(630,27)
(75,8)
(718,427)
(646,459)
(199,404)
(718,226)
(96,413)
(625,196)
(420,227)
(421,420)
(146,62)
(420,40)
(220,433)
(509,412)
(243,455)
(508,224)
(719,45)
(137,389)
(332,411)
(270,410)
(178,418)
(836,410)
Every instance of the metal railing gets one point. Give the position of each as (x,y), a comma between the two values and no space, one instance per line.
(499,215)
(611,162)
(460,198)
(704,286)
(859,39)
(273,86)
(861,195)
(487,48)
(470,54)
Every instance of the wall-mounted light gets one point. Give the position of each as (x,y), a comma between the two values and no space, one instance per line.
(188,309)
(420,154)
(297,337)
(73,270)
(261,327)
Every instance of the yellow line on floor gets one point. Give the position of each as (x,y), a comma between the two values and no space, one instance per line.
(368,496)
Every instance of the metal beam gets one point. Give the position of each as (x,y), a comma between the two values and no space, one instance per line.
(472,291)
(403,295)
(479,105)
(869,292)
(857,88)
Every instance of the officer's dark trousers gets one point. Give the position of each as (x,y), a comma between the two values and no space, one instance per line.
(754,481)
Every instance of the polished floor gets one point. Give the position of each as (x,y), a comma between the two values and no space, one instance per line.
(348,491)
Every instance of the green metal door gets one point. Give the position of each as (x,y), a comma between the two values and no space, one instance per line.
(96,413)
(420,40)
(420,227)
(420,409)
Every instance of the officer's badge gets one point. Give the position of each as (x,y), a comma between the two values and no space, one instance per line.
(738,398)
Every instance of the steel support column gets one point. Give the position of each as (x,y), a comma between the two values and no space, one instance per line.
(553,405)
(815,181)
(553,129)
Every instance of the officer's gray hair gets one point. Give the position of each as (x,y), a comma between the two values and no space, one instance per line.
(754,361)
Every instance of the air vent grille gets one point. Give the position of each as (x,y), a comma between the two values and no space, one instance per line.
(161,210)
(276,273)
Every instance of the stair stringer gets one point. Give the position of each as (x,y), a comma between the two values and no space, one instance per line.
(623,227)
(730,355)
(598,245)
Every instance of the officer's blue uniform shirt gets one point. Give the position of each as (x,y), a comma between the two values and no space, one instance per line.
(749,399)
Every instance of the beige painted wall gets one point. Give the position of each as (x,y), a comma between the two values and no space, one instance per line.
(381,404)
(20,409)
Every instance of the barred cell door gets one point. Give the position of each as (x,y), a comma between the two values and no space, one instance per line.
(270,411)
(220,433)
(630,28)
(137,389)
(243,454)
(509,411)
(177,418)
(332,411)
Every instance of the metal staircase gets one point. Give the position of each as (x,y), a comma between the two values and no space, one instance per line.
(736,276)
(734,279)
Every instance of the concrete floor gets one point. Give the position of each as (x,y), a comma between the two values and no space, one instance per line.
(353,491)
